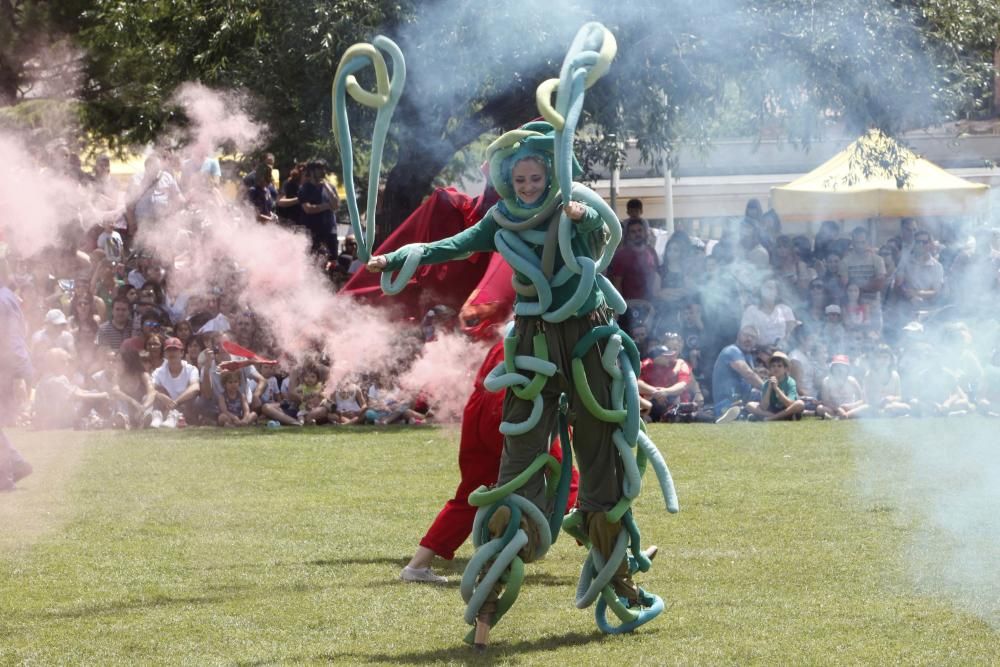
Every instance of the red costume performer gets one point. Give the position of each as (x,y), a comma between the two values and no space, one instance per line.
(479,461)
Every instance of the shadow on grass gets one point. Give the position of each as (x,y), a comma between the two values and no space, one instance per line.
(225,593)
(135,604)
(498,651)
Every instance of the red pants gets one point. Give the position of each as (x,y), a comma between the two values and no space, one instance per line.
(479,462)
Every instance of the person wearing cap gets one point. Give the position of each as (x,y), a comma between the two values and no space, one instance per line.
(177,386)
(833,332)
(841,396)
(779,398)
(664,379)
(54,333)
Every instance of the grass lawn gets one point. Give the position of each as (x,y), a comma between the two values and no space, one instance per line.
(814,542)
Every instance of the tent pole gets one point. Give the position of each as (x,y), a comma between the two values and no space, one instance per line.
(668,193)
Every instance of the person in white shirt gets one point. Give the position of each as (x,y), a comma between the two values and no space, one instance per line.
(177,386)
(774,321)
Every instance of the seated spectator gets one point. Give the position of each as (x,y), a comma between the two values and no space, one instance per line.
(674,287)
(841,396)
(252,383)
(733,376)
(937,392)
(692,334)
(779,395)
(153,352)
(233,407)
(59,401)
(862,266)
(349,402)
(770,230)
(388,406)
(637,328)
(831,277)
(989,397)
(814,313)
(833,333)
(774,321)
(113,333)
(177,387)
(183,332)
(793,274)
(855,315)
(807,365)
(883,388)
(282,407)
(54,334)
(829,232)
(921,279)
(83,320)
(132,392)
(192,350)
(311,399)
(665,380)
(104,284)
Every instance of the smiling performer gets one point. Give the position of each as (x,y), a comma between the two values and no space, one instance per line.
(565,362)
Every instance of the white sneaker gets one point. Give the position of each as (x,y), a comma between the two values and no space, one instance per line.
(421,575)
(170,421)
(729,415)
(157,420)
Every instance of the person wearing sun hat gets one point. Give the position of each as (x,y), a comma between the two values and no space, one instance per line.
(841,396)
(54,333)
(779,396)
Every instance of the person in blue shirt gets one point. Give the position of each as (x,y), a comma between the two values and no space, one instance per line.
(733,376)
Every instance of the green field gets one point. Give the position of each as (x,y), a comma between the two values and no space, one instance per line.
(812,542)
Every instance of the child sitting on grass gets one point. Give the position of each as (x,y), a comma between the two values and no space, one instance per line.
(233,407)
(841,396)
(350,403)
(779,396)
(310,397)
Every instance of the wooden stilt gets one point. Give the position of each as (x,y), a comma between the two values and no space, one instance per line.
(482,632)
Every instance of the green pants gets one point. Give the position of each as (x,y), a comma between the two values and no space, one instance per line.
(596,456)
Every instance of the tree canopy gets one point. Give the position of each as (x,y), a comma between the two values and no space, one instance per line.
(685,71)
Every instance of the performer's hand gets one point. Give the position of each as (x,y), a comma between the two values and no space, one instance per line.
(377,264)
(574,210)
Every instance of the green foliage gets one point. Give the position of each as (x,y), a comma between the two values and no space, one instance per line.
(685,71)
(282,54)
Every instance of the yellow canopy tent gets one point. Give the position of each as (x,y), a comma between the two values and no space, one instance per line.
(825,192)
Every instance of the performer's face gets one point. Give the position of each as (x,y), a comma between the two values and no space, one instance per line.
(529,180)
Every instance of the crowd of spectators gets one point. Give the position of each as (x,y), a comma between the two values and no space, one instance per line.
(764,325)
(757,324)
(116,345)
